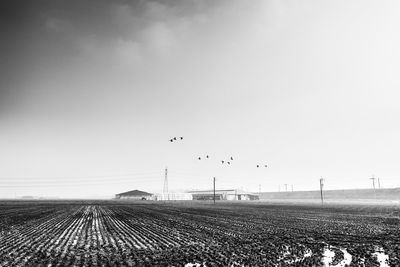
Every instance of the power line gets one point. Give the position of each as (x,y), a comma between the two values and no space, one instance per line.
(75,182)
(51,185)
(111,179)
(79,177)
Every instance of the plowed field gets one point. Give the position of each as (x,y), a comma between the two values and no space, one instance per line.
(78,233)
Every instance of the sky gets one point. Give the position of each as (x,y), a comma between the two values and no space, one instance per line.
(92,91)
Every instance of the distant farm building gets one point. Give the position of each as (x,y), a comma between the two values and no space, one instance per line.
(27,197)
(173,196)
(392,194)
(229,194)
(135,195)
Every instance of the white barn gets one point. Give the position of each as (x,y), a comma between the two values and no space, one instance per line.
(173,196)
(227,194)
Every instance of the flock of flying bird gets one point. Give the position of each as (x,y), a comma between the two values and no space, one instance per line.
(174,139)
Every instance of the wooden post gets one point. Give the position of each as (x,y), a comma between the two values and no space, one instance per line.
(321,186)
(214,189)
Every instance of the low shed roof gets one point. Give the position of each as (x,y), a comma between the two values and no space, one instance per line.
(134,193)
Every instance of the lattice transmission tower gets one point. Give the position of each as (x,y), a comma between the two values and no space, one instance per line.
(165,189)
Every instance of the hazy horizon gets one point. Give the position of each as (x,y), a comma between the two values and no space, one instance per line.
(92,91)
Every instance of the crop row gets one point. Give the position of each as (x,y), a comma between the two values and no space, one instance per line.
(138,234)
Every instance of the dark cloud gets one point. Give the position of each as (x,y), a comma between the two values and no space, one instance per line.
(32,21)
(52,34)
(52,29)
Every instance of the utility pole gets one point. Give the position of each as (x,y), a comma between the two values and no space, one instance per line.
(214,189)
(373,184)
(379,183)
(286,187)
(373,181)
(321,187)
(292,187)
(165,189)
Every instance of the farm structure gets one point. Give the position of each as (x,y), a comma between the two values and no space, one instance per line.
(229,194)
(343,194)
(172,196)
(134,195)
(99,233)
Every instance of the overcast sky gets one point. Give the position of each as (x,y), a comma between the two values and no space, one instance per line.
(91,92)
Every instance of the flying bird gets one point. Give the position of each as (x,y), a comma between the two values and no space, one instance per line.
(199,158)
(207,156)
(171,140)
(228,162)
(222,161)
(258,166)
(175,138)
(181,138)
(231,158)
